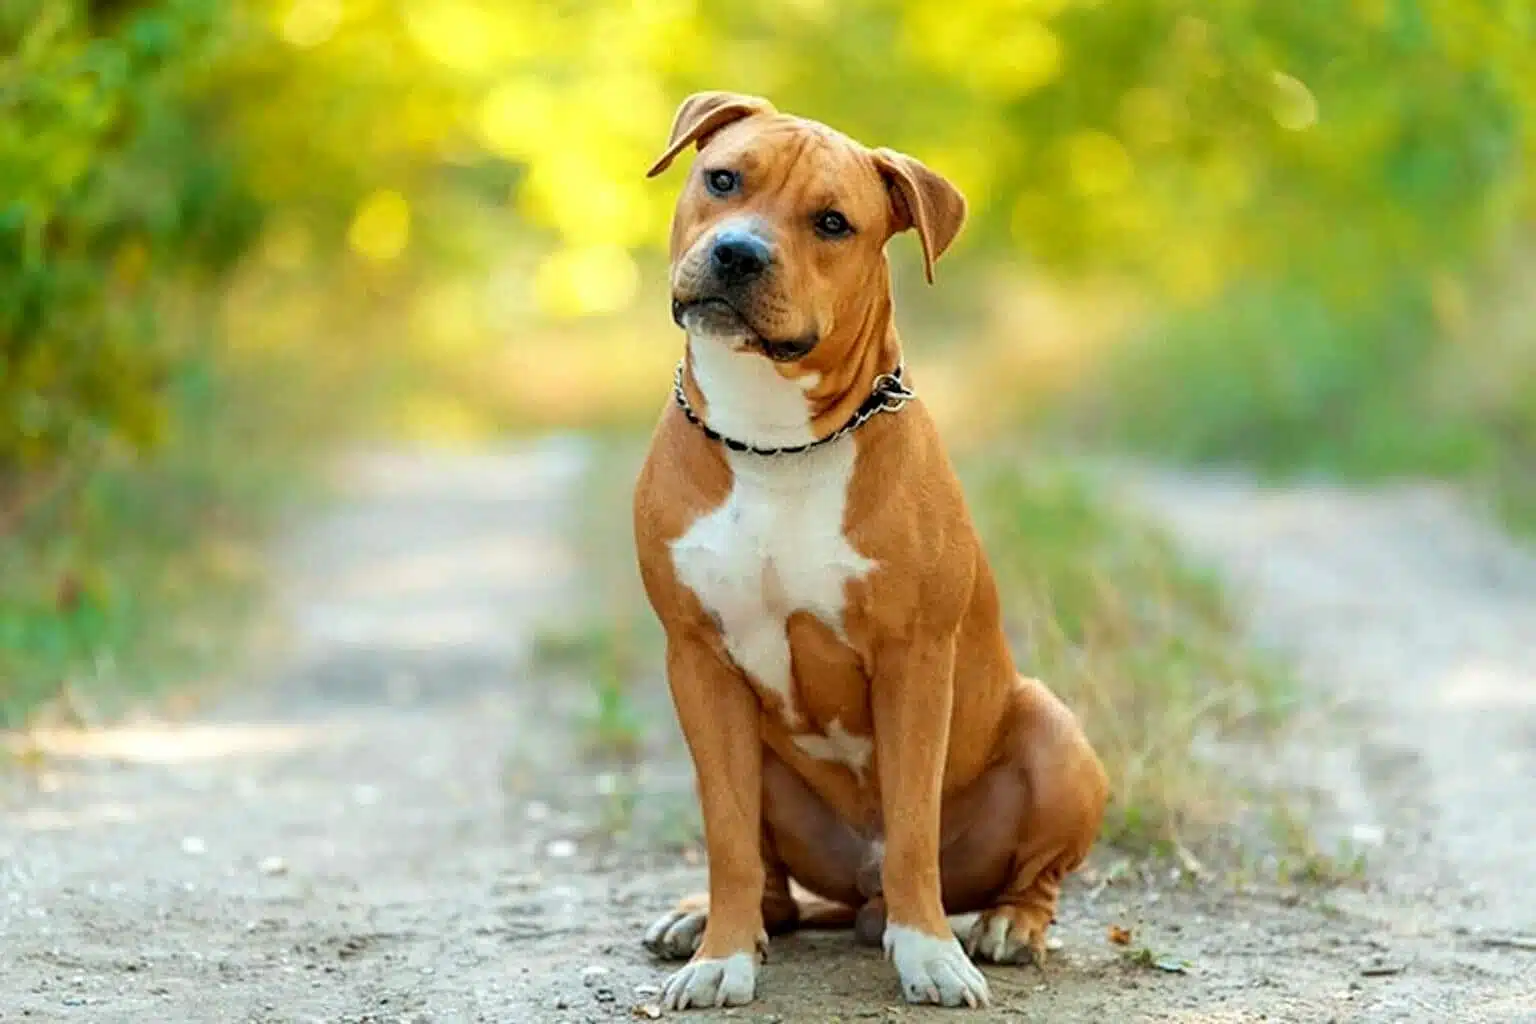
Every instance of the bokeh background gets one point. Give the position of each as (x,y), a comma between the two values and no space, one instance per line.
(238,235)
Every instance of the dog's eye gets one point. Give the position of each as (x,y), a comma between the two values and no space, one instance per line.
(831,224)
(722,183)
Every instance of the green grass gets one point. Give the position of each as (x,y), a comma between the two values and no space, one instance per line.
(1143,645)
(614,645)
(1099,604)
(1281,380)
(130,573)
(606,653)
(1301,860)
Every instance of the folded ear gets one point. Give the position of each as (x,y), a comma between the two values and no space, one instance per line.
(703,114)
(922,199)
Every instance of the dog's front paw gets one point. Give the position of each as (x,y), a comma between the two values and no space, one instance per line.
(707,982)
(933,969)
(675,935)
(1009,935)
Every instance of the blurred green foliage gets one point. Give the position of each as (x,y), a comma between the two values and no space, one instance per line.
(1192,145)
(109,191)
(119,211)
(1298,176)
(1273,376)
(1305,195)
(134,573)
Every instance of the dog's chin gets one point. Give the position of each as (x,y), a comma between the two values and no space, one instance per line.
(717,318)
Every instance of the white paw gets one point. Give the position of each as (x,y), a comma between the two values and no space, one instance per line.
(731,981)
(675,935)
(933,969)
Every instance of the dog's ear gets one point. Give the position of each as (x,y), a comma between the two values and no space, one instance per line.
(703,114)
(922,199)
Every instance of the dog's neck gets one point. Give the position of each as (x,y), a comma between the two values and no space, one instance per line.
(747,397)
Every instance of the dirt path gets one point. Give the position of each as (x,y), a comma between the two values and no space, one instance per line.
(391,823)
(1413,627)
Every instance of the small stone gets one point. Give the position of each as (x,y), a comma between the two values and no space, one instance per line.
(590,975)
(561,849)
(1368,835)
(604,995)
(1053,943)
(647,1011)
(273,866)
(561,1004)
(402,687)
(647,991)
(193,846)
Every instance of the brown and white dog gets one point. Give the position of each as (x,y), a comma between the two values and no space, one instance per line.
(834,643)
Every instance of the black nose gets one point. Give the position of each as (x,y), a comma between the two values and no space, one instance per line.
(739,257)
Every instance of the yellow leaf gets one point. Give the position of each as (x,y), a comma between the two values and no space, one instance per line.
(382,226)
(587,280)
(1097,163)
(1292,103)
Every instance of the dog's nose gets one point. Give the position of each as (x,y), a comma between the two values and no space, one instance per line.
(739,257)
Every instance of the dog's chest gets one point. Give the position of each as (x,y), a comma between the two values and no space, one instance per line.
(776,546)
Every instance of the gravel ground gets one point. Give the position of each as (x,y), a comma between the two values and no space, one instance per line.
(387,818)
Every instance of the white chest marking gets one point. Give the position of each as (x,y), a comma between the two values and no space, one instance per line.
(776,545)
(838,745)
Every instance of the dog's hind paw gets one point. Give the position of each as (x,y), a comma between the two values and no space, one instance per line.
(676,934)
(1008,935)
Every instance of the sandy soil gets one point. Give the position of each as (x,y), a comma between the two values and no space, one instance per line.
(387,819)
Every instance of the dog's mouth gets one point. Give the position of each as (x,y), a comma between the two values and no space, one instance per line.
(714,314)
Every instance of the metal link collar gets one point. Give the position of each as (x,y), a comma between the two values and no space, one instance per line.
(888,394)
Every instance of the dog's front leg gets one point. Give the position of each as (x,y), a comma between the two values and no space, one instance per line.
(911,697)
(719,712)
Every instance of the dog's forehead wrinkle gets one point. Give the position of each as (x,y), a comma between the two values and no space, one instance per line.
(803,150)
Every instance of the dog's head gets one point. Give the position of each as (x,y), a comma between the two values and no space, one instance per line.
(778,241)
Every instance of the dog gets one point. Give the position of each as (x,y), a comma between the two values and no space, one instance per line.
(866,753)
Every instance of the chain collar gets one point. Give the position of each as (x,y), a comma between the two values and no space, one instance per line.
(888,394)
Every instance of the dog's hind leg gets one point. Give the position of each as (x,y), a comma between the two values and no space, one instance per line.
(803,842)
(1012,836)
